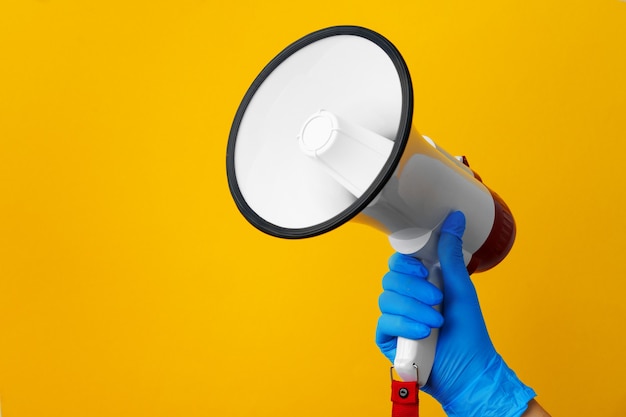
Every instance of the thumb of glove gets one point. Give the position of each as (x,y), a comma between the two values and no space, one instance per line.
(458,287)
(463,339)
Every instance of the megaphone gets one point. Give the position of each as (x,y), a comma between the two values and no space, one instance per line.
(324,135)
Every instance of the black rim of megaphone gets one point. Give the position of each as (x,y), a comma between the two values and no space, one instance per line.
(400,140)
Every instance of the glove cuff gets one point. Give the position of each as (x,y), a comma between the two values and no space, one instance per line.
(497,392)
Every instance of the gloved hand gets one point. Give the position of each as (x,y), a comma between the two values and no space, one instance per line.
(469,378)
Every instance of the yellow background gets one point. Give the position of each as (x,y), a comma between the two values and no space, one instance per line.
(130,285)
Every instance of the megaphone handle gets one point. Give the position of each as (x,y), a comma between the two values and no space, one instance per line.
(414,358)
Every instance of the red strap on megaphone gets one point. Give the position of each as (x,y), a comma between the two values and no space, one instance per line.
(404,398)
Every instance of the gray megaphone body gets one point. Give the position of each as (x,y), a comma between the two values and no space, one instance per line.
(324,135)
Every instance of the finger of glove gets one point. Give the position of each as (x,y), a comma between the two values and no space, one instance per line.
(406,264)
(413,287)
(391,326)
(399,305)
(386,342)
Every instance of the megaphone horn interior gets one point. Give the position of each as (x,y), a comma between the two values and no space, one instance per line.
(336,97)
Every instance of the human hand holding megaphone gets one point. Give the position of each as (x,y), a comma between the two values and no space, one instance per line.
(468,377)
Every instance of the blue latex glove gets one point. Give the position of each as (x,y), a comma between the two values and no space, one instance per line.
(469,378)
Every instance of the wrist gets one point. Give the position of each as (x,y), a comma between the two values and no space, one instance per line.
(535,410)
(496,392)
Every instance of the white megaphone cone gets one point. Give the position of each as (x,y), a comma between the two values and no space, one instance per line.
(324,136)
